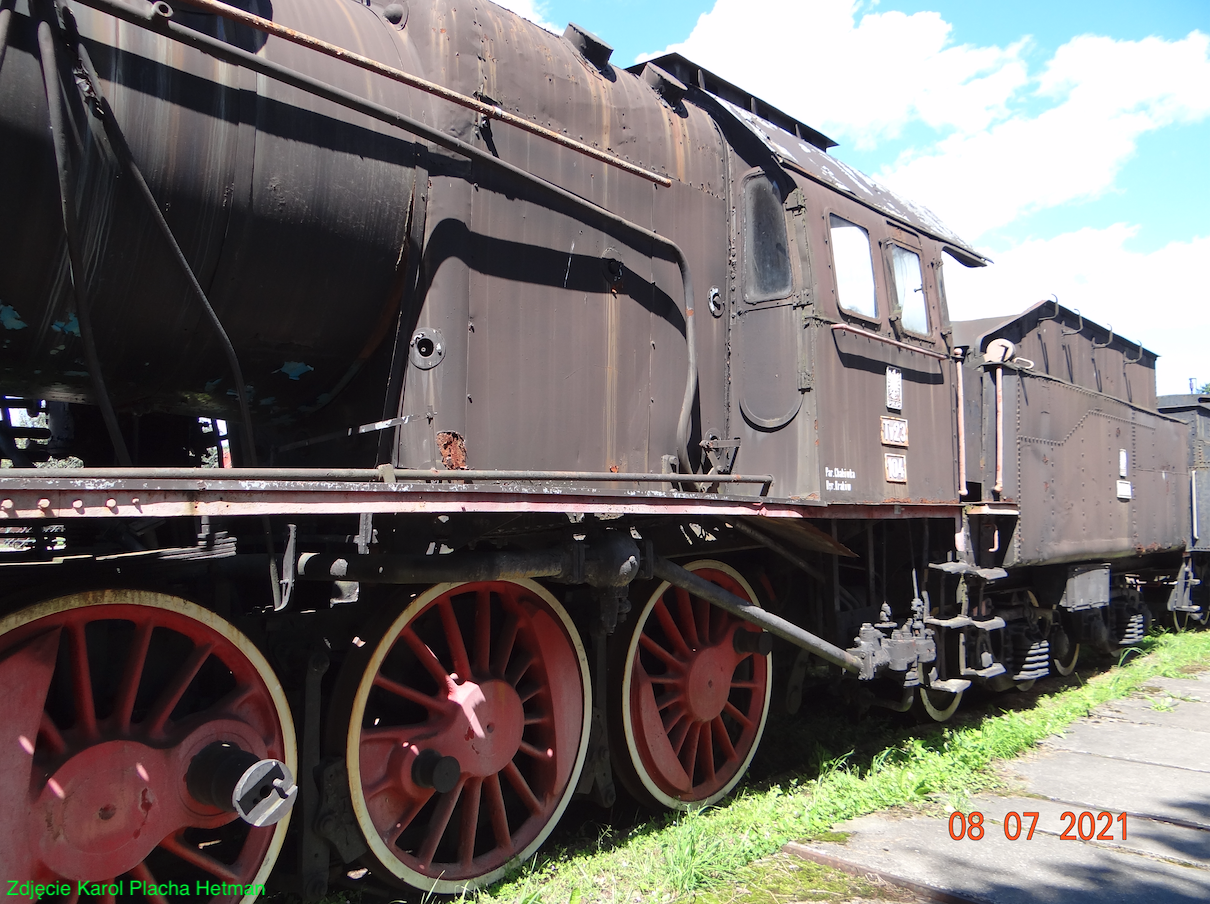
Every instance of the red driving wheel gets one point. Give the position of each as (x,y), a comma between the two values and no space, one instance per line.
(108,697)
(693,699)
(467,732)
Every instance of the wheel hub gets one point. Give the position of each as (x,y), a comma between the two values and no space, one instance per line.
(709,682)
(102,808)
(490,721)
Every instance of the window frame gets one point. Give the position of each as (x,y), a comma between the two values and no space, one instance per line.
(748,296)
(876,319)
(896,312)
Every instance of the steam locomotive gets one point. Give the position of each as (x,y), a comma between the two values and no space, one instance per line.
(580,417)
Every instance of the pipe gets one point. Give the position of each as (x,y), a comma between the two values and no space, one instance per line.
(741,608)
(490,111)
(999,485)
(156,18)
(959,356)
(866,334)
(490,566)
(54,101)
(392,475)
(6,18)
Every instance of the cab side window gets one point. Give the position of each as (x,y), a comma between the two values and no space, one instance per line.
(854,267)
(767,272)
(910,304)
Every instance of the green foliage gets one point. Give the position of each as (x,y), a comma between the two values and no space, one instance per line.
(690,853)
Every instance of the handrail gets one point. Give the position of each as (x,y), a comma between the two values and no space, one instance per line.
(491,111)
(845,328)
(390,475)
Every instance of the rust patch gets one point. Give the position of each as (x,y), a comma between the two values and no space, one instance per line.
(453,450)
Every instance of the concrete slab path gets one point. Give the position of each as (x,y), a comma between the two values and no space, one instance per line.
(1147,757)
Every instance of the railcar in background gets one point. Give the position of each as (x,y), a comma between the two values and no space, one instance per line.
(580,417)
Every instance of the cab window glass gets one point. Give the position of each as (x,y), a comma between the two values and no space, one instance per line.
(766,256)
(909,290)
(854,267)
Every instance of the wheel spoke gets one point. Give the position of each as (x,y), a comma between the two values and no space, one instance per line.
(678,730)
(730,709)
(706,751)
(438,824)
(499,816)
(666,700)
(688,755)
(483,632)
(410,694)
(132,675)
(470,821)
(406,818)
(701,614)
(453,638)
(427,658)
(684,608)
(81,683)
(504,648)
(660,653)
(49,732)
(518,669)
(521,786)
(143,874)
(671,631)
(724,740)
(172,694)
(174,844)
(531,751)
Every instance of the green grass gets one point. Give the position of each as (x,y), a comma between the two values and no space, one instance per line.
(689,854)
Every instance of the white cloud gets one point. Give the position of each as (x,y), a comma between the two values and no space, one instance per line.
(534,10)
(1160,299)
(1104,96)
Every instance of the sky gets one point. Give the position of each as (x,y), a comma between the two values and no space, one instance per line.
(1067,140)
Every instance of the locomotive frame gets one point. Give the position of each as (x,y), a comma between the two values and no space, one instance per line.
(421,635)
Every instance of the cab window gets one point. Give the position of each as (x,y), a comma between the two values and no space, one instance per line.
(910,304)
(766,255)
(854,267)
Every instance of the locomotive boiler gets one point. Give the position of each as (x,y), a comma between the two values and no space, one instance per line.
(580,416)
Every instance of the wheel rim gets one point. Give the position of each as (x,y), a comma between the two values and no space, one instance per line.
(1067,666)
(691,742)
(99,754)
(939,705)
(494,675)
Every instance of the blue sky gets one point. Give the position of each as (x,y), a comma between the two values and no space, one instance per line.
(1070,141)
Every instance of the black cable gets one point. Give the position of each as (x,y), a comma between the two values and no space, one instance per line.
(54,100)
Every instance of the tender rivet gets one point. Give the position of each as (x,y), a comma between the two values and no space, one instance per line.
(78,504)
(111,503)
(43,503)
(7,503)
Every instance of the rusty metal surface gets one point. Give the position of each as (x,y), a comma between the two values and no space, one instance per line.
(1194,410)
(75,499)
(281,203)
(1064,469)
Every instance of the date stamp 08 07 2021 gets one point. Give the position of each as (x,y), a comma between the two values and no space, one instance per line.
(1083,826)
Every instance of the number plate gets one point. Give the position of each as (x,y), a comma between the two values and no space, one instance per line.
(894,389)
(896,468)
(894,431)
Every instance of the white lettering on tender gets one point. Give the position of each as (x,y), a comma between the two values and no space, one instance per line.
(841,485)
